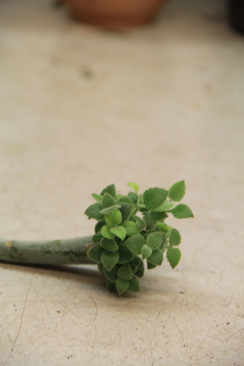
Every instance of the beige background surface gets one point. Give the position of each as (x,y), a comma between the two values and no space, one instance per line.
(82,108)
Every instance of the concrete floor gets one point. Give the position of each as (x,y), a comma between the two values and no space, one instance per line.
(82,108)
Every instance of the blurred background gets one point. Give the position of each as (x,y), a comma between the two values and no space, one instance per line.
(86,102)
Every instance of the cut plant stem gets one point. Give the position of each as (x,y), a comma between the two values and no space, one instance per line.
(55,252)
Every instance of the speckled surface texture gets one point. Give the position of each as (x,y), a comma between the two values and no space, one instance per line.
(82,108)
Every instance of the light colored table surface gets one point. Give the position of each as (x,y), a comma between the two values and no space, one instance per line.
(82,108)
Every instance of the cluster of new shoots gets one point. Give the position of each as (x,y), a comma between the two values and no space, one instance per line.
(131,229)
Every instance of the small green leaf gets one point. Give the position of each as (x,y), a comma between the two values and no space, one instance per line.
(136,261)
(97,197)
(110,286)
(177,191)
(134,186)
(140,223)
(125,272)
(112,275)
(131,228)
(162,226)
(158,216)
(109,189)
(146,251)
(134,285)
(167,205)
(150,265)
(175,237)
(106,232)
(154,197)
(169,231)
(96,238)
(181,212)
(150,225)
(154,240)
(125,199)
(140,271)
(164,241)
(135,243)
(108,201)
(100,267)
(95,253)
(119,231)
(99,225)
(110,210)
(125,254)
(113,220)
(156,257)
(173,256)
(93,212)
(125,210)
(118,196)
(133,196)
(109,259)
(122,285)
(109,245)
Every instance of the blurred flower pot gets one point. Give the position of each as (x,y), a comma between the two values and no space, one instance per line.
(114,13)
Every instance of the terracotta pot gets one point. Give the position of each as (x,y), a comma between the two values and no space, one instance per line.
(114,13)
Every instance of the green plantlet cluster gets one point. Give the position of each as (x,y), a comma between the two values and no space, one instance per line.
(131,229)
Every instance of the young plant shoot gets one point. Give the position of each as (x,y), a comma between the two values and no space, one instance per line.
(129,229)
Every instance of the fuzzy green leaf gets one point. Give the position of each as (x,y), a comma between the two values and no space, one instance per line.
(93,212)
(110,210)
(173,256)
(150,225)
(154,197)
(109,245)
(109,259)
(158,216)
(112,275)
(150,265)
(177,191)
(125,210)
(97,197)
(125,272)
(108,201)
(167,205)
(146,251)
(113,220)
(96,238)
(154,240)
(122,285)
(95,253)
(110,286)
(106,232)
(135,243)
(156,257)
(140,223)
(125,254)
(175,237)
(109,189)
(181,211)
(131,228)
(99,225)
(164,241)
(162,226)
(119,231)
(134,186)
(134,285)
(136,261)
(125,199)
(140,271)
(133,196)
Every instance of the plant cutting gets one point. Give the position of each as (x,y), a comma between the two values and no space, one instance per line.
(129,231)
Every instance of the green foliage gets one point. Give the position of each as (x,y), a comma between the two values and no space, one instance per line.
(173,256)
(131,228)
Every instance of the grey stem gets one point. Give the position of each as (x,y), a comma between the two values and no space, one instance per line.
(55,252)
